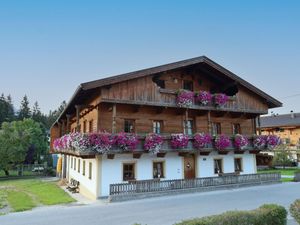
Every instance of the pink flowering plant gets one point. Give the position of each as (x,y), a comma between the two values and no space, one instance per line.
(201,140)
(153,143)
(80,142)
(220,99)
(101,142)
(222,142)
(126,141)
(260,142)
(203,97)
(179,141)
(185,98)
(240,141)
(273,141)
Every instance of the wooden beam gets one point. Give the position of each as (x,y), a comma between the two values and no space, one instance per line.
(258,124)
(209,122)
(78,108)
(68,123)
(114,115)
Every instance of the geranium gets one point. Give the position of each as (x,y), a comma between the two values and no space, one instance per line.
(222,142)
(80,142)
(57,144)
(126,141)
(185,98)
(201,140)
(220,99)
(260,142)
(240,141)
(153,143)
(273,141)
(203,97)
(179,140)
(101,142)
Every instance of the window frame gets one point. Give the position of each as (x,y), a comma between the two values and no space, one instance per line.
(218,127)
(221,170)
(74,164)
(241,162)
(83,167)
(133,125)
(185,127)
(155,128)
(90,170)
(133,164)
(78,166)
(162,169)
(188,82)
(238,128)
(91,124)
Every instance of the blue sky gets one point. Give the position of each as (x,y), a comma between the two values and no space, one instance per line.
(48,47)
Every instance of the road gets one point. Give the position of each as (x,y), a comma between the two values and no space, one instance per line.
(158,211)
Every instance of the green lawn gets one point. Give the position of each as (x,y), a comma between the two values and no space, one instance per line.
(288,172)
(26,194)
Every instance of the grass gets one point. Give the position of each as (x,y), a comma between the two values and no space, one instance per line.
(3,197)
(26,194)
(287,179)
(287,172)
(15,173)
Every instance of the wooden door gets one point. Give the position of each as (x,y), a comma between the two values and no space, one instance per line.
(189,167)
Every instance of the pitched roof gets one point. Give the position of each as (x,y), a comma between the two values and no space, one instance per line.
(284,120)
(88,86)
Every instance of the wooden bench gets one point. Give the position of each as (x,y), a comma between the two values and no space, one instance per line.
(73,186)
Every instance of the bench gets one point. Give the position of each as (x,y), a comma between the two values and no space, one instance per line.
(73,186)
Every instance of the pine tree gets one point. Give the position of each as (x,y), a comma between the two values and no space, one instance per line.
(24,109)
(10,110)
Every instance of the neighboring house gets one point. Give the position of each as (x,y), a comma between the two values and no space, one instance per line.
(287,127)
(145,101)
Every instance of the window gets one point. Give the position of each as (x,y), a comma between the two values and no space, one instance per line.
(90,170)
(238,166)
(157,127)
(218,167)
(91,129)
(158,169)
(236,128)
(83,167)
(188,127)
(74,163)
(188,85)
(216,129)
(129,126)
(128,171)
(84,126)
(71,162)
(78,166)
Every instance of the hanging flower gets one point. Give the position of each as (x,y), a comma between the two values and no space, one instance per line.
(153,143)
(185,98)
(126,141)
(201,140)
(260,142)
(179,140)
(273,141)
(240,141)
(203,97)
(101,142)
(80,142)
(57,144)
(222,142)
(220,99)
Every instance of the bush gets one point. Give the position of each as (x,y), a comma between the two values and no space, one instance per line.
(295,210)
(266,214)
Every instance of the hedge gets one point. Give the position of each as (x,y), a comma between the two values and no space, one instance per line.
(266,214)
(295,210)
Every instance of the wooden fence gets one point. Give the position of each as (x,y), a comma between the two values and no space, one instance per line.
(146,186)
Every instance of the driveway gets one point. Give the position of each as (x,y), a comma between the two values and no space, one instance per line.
(158,211)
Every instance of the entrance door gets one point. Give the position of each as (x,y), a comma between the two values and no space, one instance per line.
(189,167)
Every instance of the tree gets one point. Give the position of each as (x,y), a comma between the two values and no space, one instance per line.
(37,115)
(6,109)
(53,115)
(24,112)
(17,139)
(10,109)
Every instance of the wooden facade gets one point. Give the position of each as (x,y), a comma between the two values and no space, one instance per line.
(146,96)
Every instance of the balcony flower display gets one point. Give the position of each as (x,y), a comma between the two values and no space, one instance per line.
(222,142)
(272,141)
(80,142)
(57,144)
(220,99)
(240,141)
(203,97)
(101,142)
(201,140)
(185,98)
(260,142)
(153,143)
(126,141)
(179,141)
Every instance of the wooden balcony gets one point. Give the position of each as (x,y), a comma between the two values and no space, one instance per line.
(167,98)
(146,188)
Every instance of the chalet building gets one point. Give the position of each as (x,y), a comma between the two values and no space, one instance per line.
(146,101)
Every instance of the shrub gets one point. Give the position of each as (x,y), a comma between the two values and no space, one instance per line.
(295,210)
(266,214)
